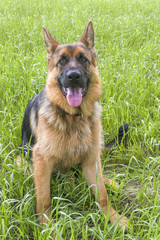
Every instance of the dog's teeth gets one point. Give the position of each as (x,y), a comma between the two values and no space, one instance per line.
(65,90)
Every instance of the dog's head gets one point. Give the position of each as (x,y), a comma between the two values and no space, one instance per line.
(73,81)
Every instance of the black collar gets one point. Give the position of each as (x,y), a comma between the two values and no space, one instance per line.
(73,115)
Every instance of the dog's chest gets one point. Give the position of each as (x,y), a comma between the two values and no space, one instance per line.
(66,142)
(75,145)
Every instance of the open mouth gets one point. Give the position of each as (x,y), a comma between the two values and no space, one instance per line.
(74,95)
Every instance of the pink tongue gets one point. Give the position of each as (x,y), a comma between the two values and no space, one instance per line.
(74,97)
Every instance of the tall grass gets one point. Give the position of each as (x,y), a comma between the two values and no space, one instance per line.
(127,35)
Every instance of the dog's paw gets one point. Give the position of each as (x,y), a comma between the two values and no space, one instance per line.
(112,183)
(121,221)
(124,221)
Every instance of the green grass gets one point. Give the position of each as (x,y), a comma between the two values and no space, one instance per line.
(128,46)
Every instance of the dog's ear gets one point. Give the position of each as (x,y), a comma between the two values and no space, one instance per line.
(50,42)
(88,35)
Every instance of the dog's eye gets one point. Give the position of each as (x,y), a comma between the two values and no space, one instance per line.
(82,59)
(62,61)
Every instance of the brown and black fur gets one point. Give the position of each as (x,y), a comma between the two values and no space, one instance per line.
(61,135)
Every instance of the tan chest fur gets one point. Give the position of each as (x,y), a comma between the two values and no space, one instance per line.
(67,139)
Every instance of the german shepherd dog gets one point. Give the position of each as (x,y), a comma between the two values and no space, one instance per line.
(62,123)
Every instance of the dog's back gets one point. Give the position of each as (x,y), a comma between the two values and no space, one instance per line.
(29,123)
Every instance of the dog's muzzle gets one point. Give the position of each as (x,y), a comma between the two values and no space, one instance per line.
(74,87)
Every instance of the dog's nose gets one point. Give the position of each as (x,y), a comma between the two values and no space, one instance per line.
(73,75)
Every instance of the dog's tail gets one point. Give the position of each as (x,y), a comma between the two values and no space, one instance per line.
(121,138)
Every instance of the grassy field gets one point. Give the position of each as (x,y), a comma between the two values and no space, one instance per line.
(128,46)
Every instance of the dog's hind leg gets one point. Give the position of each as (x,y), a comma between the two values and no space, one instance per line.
(24,165)
(26,149)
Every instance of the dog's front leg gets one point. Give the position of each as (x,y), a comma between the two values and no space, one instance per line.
(93,174)
(42,174)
